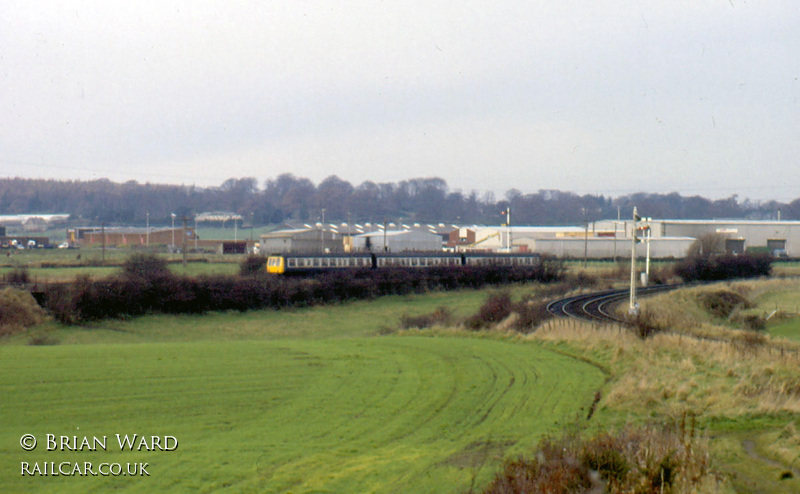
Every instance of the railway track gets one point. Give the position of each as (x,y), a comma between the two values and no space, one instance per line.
(599,306)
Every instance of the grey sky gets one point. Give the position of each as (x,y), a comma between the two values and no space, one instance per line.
(594,97)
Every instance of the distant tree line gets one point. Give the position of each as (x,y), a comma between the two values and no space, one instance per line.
(291,198)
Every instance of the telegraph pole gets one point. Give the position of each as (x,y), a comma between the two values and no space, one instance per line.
(183,234)
(585,237)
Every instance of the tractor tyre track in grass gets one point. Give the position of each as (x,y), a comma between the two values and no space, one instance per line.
(387,414)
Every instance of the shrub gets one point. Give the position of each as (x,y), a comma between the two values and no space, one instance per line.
(723,267)
(529,315)
(645,324)
(646,460)
(754,322)
(496,308)
(19,275)
(145,266)
(18,310)
(442,316)
(252,265)
(722,303)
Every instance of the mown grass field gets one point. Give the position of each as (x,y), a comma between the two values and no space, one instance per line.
(370,414)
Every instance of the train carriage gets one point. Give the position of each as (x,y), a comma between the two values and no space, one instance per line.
(310,263)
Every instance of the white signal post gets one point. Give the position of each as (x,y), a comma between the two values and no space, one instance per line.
(633,308)
(647,261)
(507,245)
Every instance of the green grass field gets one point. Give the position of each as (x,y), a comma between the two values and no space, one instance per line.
(375,414)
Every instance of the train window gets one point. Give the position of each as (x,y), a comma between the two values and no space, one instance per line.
(292,262)
(414,262)
(324,263)
(316,262)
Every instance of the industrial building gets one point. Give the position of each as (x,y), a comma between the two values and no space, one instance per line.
(397,241)
(126,236)
(507,238)
(779,238)
(304,239)
(606,239)
(355,237)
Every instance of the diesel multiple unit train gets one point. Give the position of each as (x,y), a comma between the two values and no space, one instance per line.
(307,263)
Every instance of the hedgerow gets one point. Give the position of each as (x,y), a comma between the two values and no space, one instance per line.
(723,267)
(144,286)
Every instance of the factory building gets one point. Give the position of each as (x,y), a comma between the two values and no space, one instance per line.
(397,241)
(778,238)
(126,236)
(300,240)
(344,237)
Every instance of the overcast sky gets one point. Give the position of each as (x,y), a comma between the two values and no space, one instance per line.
(612,97)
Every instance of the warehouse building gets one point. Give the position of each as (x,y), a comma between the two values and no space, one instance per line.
(508,238)
(128,236)
(397,241)
(779,238)
(305,239)
(611,248)
(354,237)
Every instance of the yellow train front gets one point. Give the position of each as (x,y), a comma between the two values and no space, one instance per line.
(310,263)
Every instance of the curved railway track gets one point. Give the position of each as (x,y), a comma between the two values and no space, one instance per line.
(599,306)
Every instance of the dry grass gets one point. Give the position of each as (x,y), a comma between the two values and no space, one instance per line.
(650,459)
(670,373)
(689,311)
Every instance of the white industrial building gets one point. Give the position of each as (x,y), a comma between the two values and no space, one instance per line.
(299,240)
(397,241)
(775,237)
(506,238)
(335,238)
(611,248)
